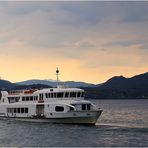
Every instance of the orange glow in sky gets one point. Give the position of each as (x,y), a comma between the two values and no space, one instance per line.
(88,41)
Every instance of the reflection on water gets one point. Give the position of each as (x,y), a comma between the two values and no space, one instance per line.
(127,113)
(123,123)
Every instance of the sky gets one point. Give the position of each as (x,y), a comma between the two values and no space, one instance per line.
(88,41)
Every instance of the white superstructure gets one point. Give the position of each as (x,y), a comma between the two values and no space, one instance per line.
(56,105)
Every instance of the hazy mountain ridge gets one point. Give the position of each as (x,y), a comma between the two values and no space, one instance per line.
(37,81)
(117,87)
(5,84)
(122,82)
(54,83)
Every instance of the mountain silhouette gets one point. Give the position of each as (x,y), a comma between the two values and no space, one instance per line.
(118,82)
(54,83)
(4,85)
(117,87)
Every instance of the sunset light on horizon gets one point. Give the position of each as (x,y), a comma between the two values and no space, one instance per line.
(87,41)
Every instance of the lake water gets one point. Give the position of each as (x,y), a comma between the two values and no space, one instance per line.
(122,123)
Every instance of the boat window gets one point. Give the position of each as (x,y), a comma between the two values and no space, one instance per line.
(55,95)
(59,108)
(14,110)
(88,106)
(26,110)
(41,97)
(8,110)
(27,98)
(35,97)
(17,99)
(72,94)
(31,98)
(71,108)
(51,95)
(66,94)
(23,98)
(22,110)
(83,107)
(60,95)
(79,94)
(13,99)
(47,95)
(18,110)
(83,94)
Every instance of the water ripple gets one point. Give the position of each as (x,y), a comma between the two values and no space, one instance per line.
(119,126)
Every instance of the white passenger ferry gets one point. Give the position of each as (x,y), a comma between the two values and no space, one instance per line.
(54,105)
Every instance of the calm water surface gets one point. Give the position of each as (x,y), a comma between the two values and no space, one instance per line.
(123,123)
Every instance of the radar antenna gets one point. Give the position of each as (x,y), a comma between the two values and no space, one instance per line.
(57,73)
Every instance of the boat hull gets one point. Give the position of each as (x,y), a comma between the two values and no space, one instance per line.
(90,118)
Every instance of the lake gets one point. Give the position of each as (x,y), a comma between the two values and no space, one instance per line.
(122,123)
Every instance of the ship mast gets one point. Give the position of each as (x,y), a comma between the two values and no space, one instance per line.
(57,73)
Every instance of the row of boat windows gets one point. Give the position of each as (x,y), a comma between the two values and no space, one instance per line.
(13,99)
(86,106)
(25,98)
(17,110)
(30,98)
(65,95)
(48,95)
(83,107)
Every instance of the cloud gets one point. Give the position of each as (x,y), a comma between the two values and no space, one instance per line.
(144,46)
(92,34)
(126,43)
(85,45)
(136,12)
